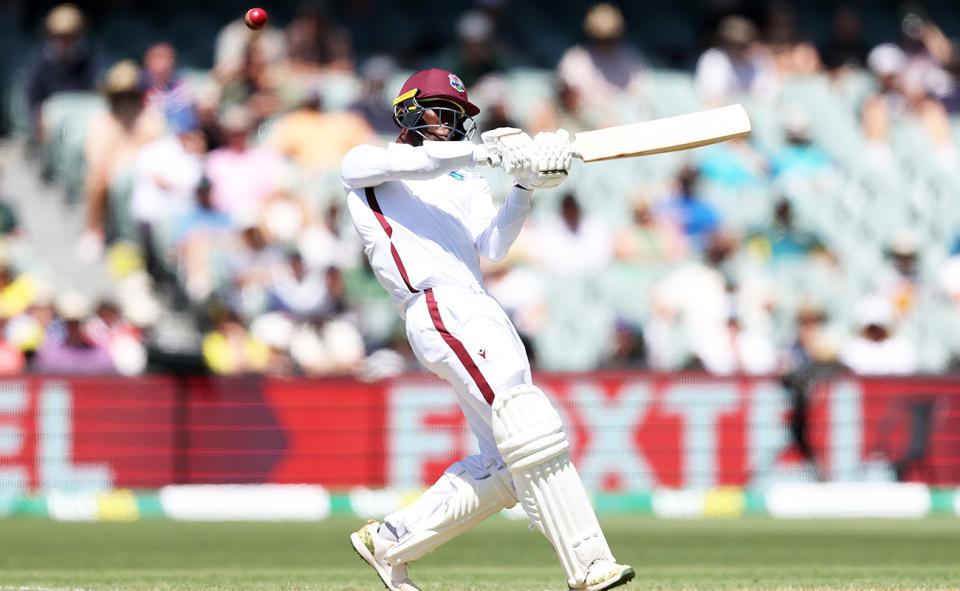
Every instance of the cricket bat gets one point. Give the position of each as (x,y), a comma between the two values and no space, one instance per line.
(668,134)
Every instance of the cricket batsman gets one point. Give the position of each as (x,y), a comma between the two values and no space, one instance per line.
(425,219)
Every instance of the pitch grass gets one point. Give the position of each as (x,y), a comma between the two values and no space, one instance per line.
(750,553)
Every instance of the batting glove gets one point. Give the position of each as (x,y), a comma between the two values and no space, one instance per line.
(504,147)
(555,158)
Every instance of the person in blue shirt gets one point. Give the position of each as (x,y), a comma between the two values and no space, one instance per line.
(697,219)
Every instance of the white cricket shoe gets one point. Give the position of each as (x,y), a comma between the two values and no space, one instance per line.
(371,547)
(605,574)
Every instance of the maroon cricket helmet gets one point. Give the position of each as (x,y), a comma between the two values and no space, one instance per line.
(437,84)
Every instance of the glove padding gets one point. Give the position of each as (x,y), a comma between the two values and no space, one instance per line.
(549,161)
(556,157)
(537,163)
(502,145)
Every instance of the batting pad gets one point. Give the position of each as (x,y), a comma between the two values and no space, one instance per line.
(469,500)
(530,437)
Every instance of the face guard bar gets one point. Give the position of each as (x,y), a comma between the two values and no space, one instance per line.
(408,114)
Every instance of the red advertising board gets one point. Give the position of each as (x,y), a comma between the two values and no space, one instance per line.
(629,431)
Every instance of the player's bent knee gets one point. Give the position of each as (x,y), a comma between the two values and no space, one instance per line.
(527,428)
(474,500)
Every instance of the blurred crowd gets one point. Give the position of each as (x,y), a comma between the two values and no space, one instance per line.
(215,194)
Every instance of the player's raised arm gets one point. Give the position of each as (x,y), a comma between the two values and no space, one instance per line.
(369,166)
(534,163)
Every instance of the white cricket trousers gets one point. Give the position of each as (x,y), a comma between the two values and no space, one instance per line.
(464,336)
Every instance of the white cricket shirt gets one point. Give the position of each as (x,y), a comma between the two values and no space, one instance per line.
(423,219)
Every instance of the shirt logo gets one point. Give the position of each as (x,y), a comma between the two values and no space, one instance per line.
(483,353)
(456,175)
(456,83)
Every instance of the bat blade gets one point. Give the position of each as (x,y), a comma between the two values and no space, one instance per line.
(668,134)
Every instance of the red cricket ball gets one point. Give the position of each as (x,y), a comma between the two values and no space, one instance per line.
(255,18)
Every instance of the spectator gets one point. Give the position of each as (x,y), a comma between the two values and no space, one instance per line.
(250,268)
(733,165)
(284,217)
(314,40)
(628,349)
(108,329)
(494,92)
(604,68)
(903,93)
(815,343)
(166,174)
(63,63)
(791,53)
(696,219)
(781,239)
(297,290)
(242,175)
(201,217)
(12,360)
(165,91)
(207,109)
(800,155)
(566,110)
(886,62)
(951,98)
(328,243)
(230,350)
(74,352)
(317,140)
(734,349)
(232,48)
(928,52)
(275,330)
(575,243)
(690,307)
(328,346)
(899,280)
(253,85)
(113,141)
(476,53)
(197,237)
(875,350)
(846,49)
(17,290)
(28,329)
(736,67)
(648,237)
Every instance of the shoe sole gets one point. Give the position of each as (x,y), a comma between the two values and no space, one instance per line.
(626,575)
(361,549)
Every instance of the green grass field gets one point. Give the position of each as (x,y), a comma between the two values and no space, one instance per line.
(749,553)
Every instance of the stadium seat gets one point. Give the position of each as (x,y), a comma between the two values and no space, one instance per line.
(15,102)
(120,222)
(580,327)
(67,116)
(673,93)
